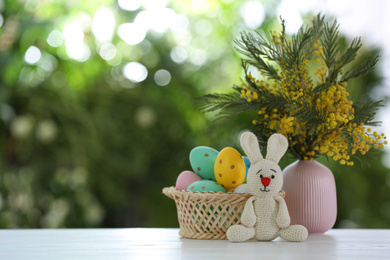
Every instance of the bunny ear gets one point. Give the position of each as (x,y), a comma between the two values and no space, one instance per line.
(250,145)
(276,147)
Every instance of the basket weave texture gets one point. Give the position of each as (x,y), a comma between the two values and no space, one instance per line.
(207,215)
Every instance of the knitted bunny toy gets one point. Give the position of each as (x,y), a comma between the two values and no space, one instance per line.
(265,216)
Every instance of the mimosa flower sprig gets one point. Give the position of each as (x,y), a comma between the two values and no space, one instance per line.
(310,107)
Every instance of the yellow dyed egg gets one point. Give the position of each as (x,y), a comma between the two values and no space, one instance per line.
(229,168)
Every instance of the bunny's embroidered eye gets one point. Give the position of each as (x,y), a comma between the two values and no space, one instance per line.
(261,176)
(272,176)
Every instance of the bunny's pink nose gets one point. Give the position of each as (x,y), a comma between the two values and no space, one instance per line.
(265,181)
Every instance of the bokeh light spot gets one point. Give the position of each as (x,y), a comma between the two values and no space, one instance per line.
(253,14)
(179,54)
(55,39)
(183,38)
(198,57)
(131,33)
(129,5)
(158,20)
(103,25)
(73,32)
(179,23)
(162,77)
(154,4)
(79,52)
(1,20)
(135,72)
(145,116)
(199,6)
(108,51)
(75,47)
(46,130)
(289,10)
(32,55)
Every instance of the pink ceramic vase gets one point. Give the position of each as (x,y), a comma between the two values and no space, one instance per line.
(310,195)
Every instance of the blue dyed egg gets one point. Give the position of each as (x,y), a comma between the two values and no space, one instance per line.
(206,186)
(243,188)
(247,165)
(202,159)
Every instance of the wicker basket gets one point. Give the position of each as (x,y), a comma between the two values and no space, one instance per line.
(207,215)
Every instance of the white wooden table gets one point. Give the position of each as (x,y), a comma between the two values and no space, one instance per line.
(153,243)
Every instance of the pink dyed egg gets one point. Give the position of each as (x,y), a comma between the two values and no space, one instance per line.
(185,179)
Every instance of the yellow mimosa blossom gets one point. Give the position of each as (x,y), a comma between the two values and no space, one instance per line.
(332,102)
(301,92)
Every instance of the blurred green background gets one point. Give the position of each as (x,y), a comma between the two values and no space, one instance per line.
(97,113)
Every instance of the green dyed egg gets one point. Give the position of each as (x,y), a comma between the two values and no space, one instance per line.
(206,186)
(202,159)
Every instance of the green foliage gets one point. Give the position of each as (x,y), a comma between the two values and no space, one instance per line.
(365,111)
(258,50)
(83,146)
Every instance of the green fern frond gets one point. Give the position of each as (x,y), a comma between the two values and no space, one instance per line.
(317,30)
(351,53)
(307,112)
(228,104)
(330,41)
(365,112)
(259,52)
(322,87)
(361,70)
